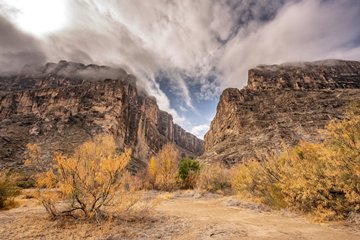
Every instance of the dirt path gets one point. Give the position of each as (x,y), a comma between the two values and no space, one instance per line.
(183,216)
(212,219)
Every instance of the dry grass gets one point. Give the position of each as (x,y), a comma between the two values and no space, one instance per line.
(214,178)
(133,219)
(8,190)
(184,216)
(35,225)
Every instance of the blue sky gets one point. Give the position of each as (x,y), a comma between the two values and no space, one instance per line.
(185,53)
(196,119)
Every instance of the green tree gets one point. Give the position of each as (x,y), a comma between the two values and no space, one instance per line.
(188,172)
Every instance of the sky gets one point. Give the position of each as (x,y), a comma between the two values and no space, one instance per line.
(183,52)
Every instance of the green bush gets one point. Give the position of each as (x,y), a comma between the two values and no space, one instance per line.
(25,178)
(188,172)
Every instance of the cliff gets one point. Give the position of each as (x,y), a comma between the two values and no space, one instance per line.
(59,106)
(281,105)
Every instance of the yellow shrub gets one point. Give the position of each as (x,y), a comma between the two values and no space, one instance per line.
(343,142)
(213,178)
(162,169)
(89,178)
(320,179)
(131,198)
(150,181)
(8,190)
(304,182)
(33,157)
(260,181)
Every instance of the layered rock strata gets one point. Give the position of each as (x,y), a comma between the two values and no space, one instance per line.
(281,105)
(59,106)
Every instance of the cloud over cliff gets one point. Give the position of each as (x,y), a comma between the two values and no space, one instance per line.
(199,47)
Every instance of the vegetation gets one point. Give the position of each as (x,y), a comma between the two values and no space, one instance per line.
(259,181)
(151,176)
(33,158)
(166,173)
(131,197)
(86,180)
(319,179)
(188,172)
(8,190)
(214,178)
(163,168)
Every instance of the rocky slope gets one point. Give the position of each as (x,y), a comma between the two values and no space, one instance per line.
(59,106)
(281,105)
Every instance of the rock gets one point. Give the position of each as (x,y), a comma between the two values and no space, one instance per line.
(354,218)
(281,105)
(327,74)
(245,205)
(59,106)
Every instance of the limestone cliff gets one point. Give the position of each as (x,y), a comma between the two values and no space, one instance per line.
(59,106)
(281,105)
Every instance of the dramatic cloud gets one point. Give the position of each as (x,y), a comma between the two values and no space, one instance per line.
(306,30)
(16,48)
(183,52)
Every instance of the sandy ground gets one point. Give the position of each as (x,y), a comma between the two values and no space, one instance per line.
(179,216)
(223,219)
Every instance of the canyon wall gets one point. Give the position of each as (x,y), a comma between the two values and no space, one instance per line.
(281,105)
(59,106)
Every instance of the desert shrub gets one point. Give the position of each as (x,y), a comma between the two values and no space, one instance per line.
(259,181)
(213,178)
(323,179)
(33,158)
(24,178)
(26,182)
(87,180)
(132,198)
(318,179)
(162,169)
(343,147)
(188,172)
(8,190)
(33,164)
(304,183)
(151,174)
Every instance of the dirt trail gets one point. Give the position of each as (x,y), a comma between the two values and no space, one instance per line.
(212,219)
(180,216)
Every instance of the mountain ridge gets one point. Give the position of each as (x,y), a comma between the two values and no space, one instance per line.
(59,111)
(281,105)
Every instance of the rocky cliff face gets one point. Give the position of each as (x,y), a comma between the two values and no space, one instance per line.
(281,105)
(59,106)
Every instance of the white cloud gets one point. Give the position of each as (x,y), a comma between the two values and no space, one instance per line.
(200,130)
(307,30)
(182,108)
(209,90)
(191,38)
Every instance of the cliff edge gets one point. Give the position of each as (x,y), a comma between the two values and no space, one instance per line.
(60,105)
(281,105)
